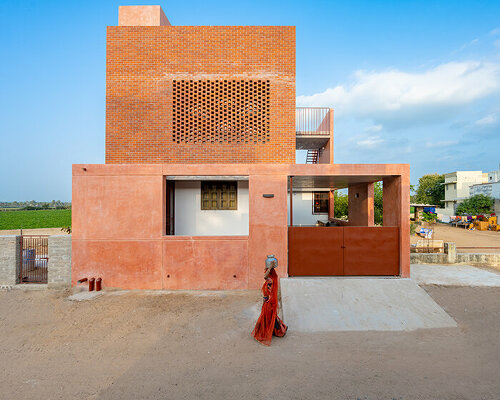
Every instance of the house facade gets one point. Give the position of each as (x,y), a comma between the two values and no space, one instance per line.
(491,189)
(201,183)
(457,188)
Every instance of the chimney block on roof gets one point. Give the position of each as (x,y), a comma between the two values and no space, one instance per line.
(142,16)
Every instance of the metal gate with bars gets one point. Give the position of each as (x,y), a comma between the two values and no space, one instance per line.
(34,259)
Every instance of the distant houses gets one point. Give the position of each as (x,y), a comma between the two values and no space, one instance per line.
(461,185)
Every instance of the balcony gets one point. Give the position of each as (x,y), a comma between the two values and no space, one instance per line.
(313,127)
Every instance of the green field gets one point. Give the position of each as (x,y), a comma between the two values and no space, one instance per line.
(32,219)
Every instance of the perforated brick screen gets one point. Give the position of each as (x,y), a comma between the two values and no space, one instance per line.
(221,111)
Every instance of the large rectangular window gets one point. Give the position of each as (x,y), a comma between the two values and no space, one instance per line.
(219,195)
(320,203)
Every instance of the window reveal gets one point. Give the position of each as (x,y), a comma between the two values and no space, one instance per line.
(219,195)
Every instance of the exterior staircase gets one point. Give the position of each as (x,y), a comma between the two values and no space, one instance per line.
(312,156)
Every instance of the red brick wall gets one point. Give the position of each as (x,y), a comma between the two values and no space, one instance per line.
(143,61)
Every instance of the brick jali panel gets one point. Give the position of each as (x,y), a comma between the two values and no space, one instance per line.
(221,111)
(142,65)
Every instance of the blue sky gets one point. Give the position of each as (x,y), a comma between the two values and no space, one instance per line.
(410,82)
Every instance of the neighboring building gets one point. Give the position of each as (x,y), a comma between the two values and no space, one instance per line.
(456,188)
(200,182)
(494,176)
(491,189)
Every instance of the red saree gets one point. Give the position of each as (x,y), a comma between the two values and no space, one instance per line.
(269,323)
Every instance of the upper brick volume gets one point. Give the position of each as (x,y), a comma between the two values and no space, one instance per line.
(200,94)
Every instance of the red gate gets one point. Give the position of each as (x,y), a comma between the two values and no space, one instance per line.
(343,251)
(34,259)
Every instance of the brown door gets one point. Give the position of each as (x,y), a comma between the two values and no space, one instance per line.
(371,251)
(315,251)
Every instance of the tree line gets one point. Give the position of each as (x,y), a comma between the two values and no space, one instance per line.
(35,205)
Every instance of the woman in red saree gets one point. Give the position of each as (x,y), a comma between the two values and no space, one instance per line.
(269,323)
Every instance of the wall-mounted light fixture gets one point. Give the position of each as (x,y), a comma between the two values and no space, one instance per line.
(268,195)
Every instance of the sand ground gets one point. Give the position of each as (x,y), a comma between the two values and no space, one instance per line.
(464,237)
(143,345)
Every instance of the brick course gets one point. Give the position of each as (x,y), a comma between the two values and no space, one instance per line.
(142,63)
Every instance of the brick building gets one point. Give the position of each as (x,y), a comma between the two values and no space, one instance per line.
(200,181)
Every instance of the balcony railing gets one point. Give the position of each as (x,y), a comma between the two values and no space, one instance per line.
(313,121)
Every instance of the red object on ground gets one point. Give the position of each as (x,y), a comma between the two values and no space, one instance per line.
(91,284)
(269,323)
(98,284)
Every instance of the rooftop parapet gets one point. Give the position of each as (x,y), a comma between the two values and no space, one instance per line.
(142,16)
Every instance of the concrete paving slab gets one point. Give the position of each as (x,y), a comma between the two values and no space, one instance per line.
(84,296)
(359,304)
(453,275)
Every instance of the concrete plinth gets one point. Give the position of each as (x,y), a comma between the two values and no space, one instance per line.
(359,304)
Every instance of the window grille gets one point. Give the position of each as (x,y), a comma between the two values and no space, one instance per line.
(320,203)
(219,196)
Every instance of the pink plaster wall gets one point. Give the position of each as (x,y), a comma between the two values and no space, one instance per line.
(331,204)
(205,263)
(117,206)
(361,208)
(268,232)
(326,156)
(125,264)
(118,224)
(396,198)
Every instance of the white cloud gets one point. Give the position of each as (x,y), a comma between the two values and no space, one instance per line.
(488,120)
(410,97)
(370,141)
(374,128)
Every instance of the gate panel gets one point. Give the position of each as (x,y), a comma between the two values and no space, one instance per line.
(371,251)
(34,259)
(315,251)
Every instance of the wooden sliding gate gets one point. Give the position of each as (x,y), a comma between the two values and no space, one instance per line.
(343,251)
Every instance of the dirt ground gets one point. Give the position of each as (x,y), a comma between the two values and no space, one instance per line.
(464,237)
(143,345)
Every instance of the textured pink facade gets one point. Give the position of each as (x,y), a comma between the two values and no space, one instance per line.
(119,230)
